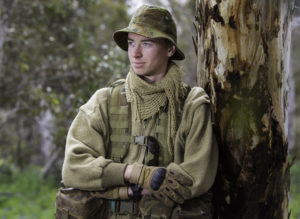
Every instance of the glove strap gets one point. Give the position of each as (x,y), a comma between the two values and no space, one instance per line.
(135,173)
(137,191)
(123,192)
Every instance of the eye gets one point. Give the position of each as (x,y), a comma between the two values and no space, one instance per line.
(130,43)
(147,44)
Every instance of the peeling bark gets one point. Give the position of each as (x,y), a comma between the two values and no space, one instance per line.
(243,59)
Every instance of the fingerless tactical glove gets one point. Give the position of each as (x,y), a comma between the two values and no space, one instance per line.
(166,185)
(114,193)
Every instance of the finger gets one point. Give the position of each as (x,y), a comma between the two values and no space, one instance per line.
(173,195)
(164,199)
(180,189)
(146,192)
(182,179)
(186,193)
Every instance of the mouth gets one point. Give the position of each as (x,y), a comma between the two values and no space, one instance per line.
(138,64)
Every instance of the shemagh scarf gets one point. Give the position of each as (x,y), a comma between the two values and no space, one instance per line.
(150,98)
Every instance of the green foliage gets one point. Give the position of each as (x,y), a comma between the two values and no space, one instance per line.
(295,190)
(27,195)
(55,55)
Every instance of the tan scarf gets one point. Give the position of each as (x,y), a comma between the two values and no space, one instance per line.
(150,98)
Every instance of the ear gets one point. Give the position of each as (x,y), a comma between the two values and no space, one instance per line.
(171,50)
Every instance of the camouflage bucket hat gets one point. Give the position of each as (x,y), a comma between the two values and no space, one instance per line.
(151,22)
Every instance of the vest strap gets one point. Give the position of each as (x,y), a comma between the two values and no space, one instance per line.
(124,207)
(140,140)
(135,173)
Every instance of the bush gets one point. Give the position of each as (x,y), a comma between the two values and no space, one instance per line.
(295,190)
(26,195)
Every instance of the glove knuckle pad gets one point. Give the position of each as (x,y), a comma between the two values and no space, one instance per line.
(158,178)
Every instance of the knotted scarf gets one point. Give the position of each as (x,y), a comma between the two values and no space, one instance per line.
(149,98)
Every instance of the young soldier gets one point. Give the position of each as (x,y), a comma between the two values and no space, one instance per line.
(145,143)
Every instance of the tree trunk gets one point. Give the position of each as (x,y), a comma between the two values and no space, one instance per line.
(243,63)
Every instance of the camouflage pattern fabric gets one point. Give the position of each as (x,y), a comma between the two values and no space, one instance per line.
(196,208)
(151,22)
(79,204)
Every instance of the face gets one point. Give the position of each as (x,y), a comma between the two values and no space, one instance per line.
(149,57)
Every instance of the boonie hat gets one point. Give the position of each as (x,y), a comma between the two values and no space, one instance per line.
(151,22)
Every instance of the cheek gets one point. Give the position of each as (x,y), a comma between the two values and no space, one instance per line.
(130,55)
(161,56)
(129,52)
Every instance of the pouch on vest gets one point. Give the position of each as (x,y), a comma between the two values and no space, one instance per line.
(119,122)
(78,204)
(196,208)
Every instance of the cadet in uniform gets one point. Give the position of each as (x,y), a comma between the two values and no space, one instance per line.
(147,140)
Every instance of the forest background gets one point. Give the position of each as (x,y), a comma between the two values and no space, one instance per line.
(53,56)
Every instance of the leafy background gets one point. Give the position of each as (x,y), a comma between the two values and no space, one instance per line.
(53,56)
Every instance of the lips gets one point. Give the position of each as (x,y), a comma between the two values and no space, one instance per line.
(138,64)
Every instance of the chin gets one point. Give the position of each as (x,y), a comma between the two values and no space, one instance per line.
(139,72)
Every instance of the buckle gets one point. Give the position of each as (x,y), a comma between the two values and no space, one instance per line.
(140,140)
(124,207)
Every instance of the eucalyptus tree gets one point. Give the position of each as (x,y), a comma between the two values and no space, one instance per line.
(243,52)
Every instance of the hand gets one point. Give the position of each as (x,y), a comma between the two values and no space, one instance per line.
(112,193)
(166,185)
(144,192)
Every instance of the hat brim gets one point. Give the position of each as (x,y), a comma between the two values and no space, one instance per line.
(121,37)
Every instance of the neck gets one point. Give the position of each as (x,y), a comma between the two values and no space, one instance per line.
(153,79)
(157,77)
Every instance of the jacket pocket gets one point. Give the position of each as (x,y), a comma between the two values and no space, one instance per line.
(196,208)
(78,204)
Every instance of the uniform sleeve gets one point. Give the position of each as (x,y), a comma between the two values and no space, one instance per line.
(196,151)
(85,166)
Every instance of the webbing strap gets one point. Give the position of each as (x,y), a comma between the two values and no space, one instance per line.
(123,192)
(122,138)
(120,123)
(140,140)
(135,173)
(118,110)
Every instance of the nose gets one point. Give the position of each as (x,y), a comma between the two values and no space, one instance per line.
(137,51)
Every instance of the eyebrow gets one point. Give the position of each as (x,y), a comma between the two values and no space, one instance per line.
(146,40)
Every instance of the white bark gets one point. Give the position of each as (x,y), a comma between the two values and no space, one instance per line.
(243,63)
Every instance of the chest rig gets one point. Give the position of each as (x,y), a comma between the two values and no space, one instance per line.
(125,147)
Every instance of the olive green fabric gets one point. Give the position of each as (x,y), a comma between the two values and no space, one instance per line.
(195,152)
(78,204)
(174,187)
(85,165)
(151,22)
(121,140)
(148,98)
(87,141)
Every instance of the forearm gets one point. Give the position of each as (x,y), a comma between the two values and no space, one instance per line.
(88,173)
(196,151)
(127,174)
(85,165)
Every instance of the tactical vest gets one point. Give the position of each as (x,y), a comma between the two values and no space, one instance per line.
(121,139)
